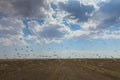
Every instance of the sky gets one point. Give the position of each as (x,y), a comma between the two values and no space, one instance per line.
(59,29)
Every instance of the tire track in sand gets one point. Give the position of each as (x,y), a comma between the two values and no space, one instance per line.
(56,71)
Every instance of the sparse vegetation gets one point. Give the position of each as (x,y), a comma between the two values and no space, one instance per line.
(56,69)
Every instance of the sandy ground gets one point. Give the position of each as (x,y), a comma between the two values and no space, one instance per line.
(67,69)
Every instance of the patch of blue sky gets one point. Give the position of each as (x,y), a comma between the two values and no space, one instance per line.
(40,21)
(82,45)
(115,27)
(74,27)
(53,6)
(26,30)
(65,23)
(97,44)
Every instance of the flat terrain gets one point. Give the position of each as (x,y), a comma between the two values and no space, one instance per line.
(60,69)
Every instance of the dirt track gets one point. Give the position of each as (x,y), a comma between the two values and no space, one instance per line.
(50,70)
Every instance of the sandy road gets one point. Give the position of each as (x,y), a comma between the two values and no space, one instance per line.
(73,71)
(55,72)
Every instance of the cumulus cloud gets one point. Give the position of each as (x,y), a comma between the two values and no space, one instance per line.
(25,8)
(10,26)
(107,15)
(30,37)
(11,31)
(111,13)
(50,32)
(76,10)
(104,22)
(95,19)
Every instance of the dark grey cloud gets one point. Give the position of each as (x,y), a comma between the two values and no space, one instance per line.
(31,8)
(111,12)
(52,31)
(48,31)
(78,11)
(107,23)
(111,7)
(25,8)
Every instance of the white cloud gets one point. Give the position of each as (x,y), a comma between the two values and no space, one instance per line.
(11,31)
(49,32)
(90,16)
(90,24)
(30,37)
(107,35)
(103,19)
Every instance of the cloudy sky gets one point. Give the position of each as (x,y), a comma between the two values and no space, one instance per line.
(59,28)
